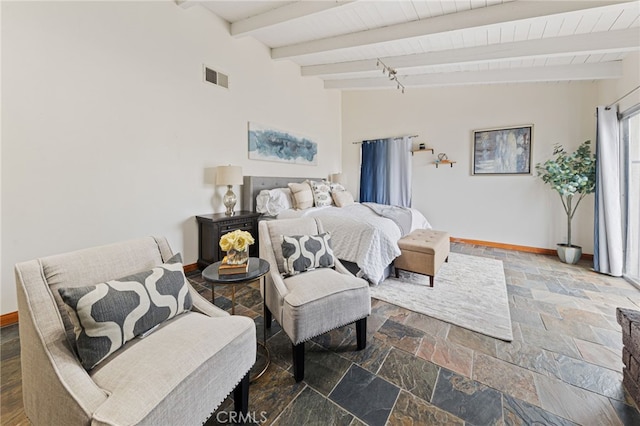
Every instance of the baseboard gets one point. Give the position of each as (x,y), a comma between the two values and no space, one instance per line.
(514,247)
(8,319)
(190,268)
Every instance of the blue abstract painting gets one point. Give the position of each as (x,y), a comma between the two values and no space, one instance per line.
(269,144)
(502,151)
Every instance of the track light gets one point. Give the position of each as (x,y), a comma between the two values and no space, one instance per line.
(391,73)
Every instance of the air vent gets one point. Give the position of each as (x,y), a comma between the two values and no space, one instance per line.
(215,77)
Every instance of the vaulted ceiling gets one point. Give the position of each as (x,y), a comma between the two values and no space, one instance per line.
(439,42)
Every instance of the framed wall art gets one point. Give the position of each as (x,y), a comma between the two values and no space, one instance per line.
(269,144)
(502,151)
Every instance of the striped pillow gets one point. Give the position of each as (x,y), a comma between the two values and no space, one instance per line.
(302,195)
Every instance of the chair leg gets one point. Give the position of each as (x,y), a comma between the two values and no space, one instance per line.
(241,395)
(298,361)
(430,280)
(361,333)
(267,317)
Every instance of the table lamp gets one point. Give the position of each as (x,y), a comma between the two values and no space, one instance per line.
(229,175)
(337,178)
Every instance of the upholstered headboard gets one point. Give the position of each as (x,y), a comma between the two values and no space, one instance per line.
(252,186)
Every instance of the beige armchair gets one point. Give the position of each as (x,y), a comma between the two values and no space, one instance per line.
(178,374)
(314,302)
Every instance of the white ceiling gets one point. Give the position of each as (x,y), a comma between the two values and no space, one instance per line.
(440,42)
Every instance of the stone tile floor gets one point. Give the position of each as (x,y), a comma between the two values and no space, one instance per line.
(563,367)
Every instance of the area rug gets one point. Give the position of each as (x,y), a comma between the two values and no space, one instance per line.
(468,291)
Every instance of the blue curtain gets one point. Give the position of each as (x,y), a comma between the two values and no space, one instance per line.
(374,171)
(385,171)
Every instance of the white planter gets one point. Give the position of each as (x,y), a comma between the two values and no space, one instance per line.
(569,254)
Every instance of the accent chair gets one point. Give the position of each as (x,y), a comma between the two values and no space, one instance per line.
(179,373)
(310,303)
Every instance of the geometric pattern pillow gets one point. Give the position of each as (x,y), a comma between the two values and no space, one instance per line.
(321,193)
(306,252)
(105,316)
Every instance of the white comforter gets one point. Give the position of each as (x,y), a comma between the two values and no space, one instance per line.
(361,236)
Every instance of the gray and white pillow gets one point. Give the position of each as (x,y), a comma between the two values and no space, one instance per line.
(303,253)
(105,316)
(321,193)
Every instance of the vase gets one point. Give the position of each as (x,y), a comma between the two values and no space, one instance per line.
(237,257)
(569,254)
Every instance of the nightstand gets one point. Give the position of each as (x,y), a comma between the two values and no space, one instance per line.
(212,226)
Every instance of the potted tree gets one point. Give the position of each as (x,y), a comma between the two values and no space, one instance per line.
(573,176)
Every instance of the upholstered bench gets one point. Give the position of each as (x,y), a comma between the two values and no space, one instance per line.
(423,252)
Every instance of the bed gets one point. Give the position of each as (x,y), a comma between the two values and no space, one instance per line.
(364,234)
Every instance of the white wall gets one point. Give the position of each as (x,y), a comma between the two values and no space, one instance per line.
(109,132)
(611,90)
(518,210)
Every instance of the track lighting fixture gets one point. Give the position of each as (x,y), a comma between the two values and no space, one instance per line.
(391,73)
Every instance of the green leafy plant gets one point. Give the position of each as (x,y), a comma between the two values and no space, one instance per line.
(571,175)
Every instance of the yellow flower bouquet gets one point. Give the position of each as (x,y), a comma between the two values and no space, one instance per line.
(236,244)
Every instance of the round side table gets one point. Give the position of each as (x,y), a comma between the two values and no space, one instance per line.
(257,269)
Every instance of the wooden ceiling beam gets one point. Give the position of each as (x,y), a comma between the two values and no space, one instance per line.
(492,15)
(283,14)
(595,71)
(582,44)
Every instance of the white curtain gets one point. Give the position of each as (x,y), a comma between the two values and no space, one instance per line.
(608,256)
(400,172)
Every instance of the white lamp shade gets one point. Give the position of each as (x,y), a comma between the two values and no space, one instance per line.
(337,178)
(229,175)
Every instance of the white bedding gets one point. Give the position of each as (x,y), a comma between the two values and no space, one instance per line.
(361,236)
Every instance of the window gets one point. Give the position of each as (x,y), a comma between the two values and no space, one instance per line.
(630,129)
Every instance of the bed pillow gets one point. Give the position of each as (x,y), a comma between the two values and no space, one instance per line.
(303,253)
(321,193)
(336,187)
(342,198)
(107,315)
(302,195)
(272,202)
